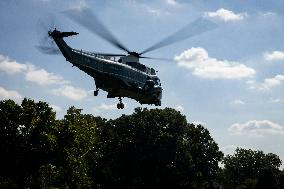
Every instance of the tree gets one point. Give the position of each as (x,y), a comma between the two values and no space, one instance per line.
(267,179)
(247,167)
(25,143)
(155,149)
(76,140)
(38,151)
(281,179)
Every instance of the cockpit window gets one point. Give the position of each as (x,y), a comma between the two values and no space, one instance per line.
(157,81)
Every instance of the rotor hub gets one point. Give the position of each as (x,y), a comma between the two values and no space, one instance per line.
(134,54)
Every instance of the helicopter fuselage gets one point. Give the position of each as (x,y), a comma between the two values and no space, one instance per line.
(123,78)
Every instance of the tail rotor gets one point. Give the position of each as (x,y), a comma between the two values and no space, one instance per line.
(46,44)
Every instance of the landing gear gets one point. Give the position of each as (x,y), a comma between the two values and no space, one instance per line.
(96,92)
(158,103)
(120,105)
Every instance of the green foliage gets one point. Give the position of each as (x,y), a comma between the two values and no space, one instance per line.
(281,179)
(76,138)
(155,148)
(246,168)
(24,143)
(39,151)
(266,179)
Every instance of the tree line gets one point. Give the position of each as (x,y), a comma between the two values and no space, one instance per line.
(154,148)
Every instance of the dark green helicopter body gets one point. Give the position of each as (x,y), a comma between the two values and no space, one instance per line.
(123,78)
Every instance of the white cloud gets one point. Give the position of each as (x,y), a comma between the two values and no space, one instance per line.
(171,2)
(238,102)
(258,128)
(197,60)
(267,14)
(274,56)
(42,77)
(104,107)
(179,108)
(150,8)
(156,12)
(226,15)
(267,84)
(277,100)
(70,92)
(79,5)
(9,94)
(11,66)
(31,72)
(56,108)
(273,82)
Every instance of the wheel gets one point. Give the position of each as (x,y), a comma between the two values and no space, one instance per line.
(120,106)
(96,92)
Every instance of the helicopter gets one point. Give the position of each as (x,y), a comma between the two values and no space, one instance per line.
(124,76)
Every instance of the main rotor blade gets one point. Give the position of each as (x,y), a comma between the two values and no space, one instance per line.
(86,18)
(48,50)
(197,27)
(153,58)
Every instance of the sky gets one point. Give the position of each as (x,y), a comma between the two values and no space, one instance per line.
(230,79)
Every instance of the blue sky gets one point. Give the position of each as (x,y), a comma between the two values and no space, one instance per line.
(229,79)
